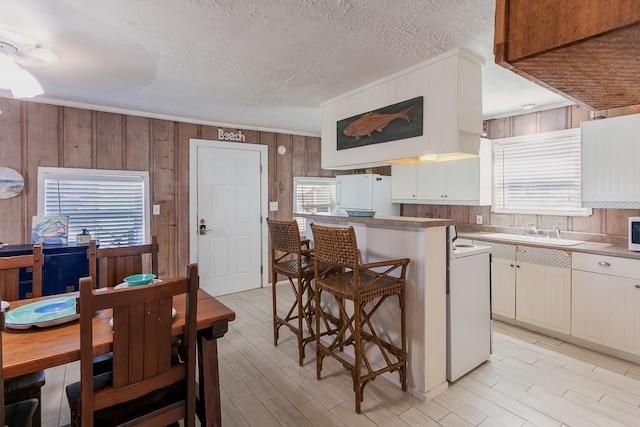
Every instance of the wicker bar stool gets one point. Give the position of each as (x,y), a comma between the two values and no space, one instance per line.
(367,286)
(292,258)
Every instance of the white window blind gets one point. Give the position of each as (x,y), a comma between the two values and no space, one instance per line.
(313,195)
(111,205)
(539,173)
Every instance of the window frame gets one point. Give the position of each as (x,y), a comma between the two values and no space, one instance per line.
(539,138)
(310,180)
(45,173)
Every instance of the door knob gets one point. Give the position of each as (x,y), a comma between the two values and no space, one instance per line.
(203,228)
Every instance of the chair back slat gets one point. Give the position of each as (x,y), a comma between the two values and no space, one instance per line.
(119,262)
(284,235)
(335,245)
(142,342)
(10,272)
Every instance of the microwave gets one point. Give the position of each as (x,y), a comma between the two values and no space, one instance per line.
(634,233)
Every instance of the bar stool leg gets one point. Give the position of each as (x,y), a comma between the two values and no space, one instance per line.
(403,328)
(274,292)
(318,314)
(357,312)
(300,332)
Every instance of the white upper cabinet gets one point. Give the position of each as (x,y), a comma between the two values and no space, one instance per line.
(431,180)
(403,184)
(611,162)
(455,182)
(449,181)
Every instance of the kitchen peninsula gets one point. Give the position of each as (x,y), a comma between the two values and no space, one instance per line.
(423,241)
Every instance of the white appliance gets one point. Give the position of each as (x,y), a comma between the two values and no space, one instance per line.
(468,305)
(366,192)
(634,233)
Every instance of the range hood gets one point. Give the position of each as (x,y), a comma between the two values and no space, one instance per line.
(448,88)
(586,51)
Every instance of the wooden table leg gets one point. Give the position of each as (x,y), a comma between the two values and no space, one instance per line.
(208,402)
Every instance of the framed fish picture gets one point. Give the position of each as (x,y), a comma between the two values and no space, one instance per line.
(390,123)
(50,229)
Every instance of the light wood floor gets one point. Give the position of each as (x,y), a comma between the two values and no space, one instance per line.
(530,380)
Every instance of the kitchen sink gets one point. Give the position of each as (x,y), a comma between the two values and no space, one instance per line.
(543,240)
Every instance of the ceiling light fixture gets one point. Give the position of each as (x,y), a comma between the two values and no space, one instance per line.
(19,81)
(13,55)
(528,106)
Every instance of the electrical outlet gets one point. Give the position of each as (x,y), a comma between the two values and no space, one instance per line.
(273,206)
(479,219)
(156,209)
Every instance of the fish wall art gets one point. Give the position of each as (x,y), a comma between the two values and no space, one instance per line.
(390,123)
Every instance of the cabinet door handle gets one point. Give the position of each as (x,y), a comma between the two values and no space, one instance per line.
(604,264)
(517,266)
(512,266)
(637,286)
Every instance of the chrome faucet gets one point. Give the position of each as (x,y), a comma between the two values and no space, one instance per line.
(558,232)
(532,230)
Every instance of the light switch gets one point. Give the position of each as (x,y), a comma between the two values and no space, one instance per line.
(273,206)
(156,209)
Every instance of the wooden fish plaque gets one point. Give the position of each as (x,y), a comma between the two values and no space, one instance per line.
(390,123)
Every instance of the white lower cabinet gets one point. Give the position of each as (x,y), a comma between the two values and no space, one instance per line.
(503,287)
(606,301)
(532,285)
(503,278)
(592,297)
(543,288)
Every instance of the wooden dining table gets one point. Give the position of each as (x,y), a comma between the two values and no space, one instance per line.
(29,350)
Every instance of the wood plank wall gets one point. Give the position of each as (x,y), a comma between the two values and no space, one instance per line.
(609,223)
(34,134)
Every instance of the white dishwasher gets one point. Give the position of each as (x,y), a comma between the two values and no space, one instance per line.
(468,306)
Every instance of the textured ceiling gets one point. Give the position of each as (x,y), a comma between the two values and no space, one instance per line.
(251,63)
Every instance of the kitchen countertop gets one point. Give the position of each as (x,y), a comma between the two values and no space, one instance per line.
(607,249)
(381,221)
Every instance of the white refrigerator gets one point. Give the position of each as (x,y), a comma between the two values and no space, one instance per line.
(366,192)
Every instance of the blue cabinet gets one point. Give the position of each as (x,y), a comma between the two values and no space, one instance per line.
(63,267)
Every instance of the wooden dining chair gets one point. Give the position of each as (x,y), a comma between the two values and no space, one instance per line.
(10,270)
(109,266)
(30,385)
(18,413)
(116,263)
(145,387)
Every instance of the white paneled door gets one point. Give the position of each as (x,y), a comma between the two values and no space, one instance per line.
(228,220)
